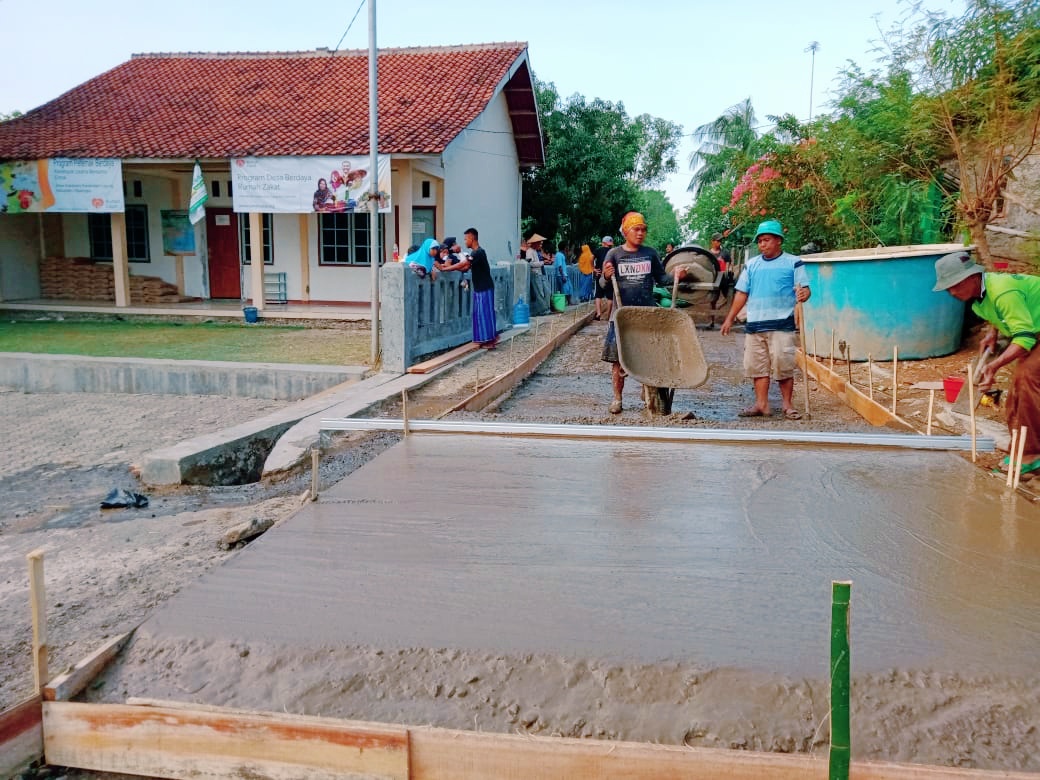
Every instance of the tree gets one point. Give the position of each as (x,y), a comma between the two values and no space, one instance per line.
(597,161)
(14,114)
(981,75)
(662,224)
(726,145)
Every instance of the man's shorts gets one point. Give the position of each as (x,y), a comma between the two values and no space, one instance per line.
(602,290)
(771,354)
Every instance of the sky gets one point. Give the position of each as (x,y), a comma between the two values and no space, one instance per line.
(682,60)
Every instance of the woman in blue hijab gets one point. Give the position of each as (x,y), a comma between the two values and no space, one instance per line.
(421,260)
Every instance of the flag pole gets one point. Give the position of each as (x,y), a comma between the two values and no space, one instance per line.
(373,200)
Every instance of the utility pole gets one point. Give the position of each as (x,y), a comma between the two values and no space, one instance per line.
(814,46)
(373,167)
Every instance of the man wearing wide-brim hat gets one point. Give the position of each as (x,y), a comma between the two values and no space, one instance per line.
(1010,303)
(539,284)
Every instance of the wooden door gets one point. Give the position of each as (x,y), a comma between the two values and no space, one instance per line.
(225,280)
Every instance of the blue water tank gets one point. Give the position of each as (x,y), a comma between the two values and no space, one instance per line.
(521,313)
(877,299)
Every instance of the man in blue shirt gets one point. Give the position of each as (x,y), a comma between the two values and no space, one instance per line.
(770,285)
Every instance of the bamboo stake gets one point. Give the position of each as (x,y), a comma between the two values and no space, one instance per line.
(841,750)
(848,360)
(1012,458)
(870,375)
(404,409)
(805,356)
(1021,452)
(931,404)
(971,404)
(38,605)
(895,377)
(314,473)
(815,351)
(832,350)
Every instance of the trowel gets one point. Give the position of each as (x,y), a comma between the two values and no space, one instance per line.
(960,406)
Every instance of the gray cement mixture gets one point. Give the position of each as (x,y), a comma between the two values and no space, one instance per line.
(745,672)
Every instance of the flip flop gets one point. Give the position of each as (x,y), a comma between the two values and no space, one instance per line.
(792,414)
(751,411)
(1026,467)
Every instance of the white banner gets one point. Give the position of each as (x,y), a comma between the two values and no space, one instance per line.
(297,185)
(61,184)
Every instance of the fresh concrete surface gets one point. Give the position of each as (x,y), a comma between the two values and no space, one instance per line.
(35,373)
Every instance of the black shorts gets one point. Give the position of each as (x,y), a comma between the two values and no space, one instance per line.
(602,290)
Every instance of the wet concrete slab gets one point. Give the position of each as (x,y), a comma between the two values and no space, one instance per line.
(715,553)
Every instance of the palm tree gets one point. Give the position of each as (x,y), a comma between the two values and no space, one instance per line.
(727,146)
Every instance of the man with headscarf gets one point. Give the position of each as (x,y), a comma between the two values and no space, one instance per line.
(771,285)
(638,268)
(1010,303)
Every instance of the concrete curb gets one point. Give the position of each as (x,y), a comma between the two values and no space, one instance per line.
(33,373)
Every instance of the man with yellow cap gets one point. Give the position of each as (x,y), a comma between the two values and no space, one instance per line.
(638,269)
(771,284)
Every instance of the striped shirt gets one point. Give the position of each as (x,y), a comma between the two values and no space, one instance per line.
(770,285)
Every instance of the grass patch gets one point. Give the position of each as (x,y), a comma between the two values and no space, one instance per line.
(190,341)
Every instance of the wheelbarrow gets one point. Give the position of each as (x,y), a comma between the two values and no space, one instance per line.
(659,347)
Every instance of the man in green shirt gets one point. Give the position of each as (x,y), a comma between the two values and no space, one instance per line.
(1010,303)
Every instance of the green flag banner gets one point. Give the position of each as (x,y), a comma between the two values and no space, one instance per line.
(199,196)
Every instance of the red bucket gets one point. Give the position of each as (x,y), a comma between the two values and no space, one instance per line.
(952,385)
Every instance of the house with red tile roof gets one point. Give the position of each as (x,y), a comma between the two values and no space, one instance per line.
(103,172)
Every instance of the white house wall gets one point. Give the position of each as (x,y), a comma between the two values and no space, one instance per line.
(482,182)
(19,256)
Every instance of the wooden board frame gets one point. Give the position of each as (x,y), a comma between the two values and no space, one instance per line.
(179,740)
(870,410)
(21,736)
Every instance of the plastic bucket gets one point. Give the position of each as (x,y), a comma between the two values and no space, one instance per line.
(251,313)
(952,386)
(559,302)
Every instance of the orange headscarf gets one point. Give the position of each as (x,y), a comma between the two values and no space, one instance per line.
(585,260)
(630,220)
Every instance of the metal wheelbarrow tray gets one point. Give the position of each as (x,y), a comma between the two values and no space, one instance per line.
(659,347)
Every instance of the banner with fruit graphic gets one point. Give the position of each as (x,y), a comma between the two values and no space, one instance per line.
(61,184)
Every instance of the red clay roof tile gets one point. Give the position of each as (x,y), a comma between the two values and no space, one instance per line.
(293,103)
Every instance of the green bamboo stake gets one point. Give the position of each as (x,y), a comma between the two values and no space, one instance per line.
(841,750)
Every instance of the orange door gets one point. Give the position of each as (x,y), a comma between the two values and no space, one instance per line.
(225,279)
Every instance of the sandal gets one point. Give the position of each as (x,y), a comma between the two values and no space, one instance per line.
(751,411)
(792,414)
(1033,465)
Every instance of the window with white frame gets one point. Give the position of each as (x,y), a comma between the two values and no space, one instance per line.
(345,239)
(99,232)
(244,247)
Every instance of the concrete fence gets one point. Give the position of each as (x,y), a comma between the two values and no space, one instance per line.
(421,316)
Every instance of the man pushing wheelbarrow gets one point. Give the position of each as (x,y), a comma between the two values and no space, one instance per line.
(658,347)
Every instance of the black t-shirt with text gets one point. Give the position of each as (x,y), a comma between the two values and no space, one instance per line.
(637,272)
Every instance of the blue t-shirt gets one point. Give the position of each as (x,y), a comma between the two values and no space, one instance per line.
(770,285)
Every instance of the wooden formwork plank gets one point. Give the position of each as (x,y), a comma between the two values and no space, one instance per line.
(865,407)
(505,382)
(176,742)
(440,754)
(65,686)
(434,363)
(21,736)
(179,740)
